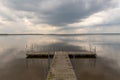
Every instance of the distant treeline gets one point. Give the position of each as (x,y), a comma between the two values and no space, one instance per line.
(69,34)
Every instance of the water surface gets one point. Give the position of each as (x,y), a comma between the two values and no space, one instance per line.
(15,66)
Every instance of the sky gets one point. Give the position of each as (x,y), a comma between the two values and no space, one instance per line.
(59,16)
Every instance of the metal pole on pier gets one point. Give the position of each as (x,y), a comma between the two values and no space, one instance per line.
(48,60)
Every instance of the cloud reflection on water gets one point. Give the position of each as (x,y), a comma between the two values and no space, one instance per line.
(13,63)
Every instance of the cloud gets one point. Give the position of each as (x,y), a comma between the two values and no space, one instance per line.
(102,21)
(59,12)
(57,16)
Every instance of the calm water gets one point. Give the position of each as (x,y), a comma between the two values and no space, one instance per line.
(14,66)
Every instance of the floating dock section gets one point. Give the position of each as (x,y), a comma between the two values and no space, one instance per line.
(76,54)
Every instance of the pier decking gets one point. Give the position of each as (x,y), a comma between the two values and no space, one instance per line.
(61,68)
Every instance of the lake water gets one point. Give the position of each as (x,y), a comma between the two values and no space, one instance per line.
(15,66)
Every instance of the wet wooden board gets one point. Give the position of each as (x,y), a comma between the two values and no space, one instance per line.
(61,68)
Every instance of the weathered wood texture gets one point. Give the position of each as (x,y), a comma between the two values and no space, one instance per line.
(61,68)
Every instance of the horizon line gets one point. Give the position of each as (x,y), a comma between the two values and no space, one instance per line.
(59,34)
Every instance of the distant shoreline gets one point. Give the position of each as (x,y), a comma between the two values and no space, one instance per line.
(69,34)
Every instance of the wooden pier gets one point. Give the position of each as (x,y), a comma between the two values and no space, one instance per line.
(61,68)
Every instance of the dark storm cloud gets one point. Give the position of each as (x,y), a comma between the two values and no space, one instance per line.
(23,5)
(63,13)
(73,12)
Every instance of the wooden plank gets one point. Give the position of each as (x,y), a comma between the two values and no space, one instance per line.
(61,68)
(52,52)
